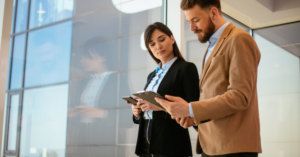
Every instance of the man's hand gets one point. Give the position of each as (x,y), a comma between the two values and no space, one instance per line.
(185,122)
(176,108)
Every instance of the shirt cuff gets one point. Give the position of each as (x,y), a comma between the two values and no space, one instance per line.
(136,118)
(191,110)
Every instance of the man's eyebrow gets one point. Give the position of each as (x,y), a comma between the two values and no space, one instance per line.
(192,19)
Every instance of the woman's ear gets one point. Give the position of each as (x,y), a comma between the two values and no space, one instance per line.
(172,39)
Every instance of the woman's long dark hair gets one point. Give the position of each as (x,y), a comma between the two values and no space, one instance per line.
(163,28)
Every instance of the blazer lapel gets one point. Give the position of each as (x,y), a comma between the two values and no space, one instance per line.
(219,43)
(150,79)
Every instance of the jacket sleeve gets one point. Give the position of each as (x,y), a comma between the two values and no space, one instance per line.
(244,58)
(136,120)
(190,83)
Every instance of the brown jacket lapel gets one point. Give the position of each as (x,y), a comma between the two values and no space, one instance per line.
(219,43)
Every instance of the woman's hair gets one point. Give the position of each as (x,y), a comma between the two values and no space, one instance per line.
(163,28)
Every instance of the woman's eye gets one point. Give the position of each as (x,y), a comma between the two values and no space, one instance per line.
(152,45)
(162,40)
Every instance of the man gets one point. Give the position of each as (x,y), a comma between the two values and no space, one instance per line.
(226,115)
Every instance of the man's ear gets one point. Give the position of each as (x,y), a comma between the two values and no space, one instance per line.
(172,39)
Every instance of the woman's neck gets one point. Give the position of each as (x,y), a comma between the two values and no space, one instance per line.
(167,59)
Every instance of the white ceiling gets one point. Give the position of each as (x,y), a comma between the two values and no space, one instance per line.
(262,13)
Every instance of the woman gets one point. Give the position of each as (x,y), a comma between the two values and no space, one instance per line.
(159,135)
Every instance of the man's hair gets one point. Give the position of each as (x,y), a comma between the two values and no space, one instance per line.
(203,4)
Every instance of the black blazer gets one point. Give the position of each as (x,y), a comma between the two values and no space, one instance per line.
(167,137)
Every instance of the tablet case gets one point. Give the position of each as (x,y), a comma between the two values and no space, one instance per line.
(149,96)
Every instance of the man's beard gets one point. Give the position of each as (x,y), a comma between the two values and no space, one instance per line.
(208,32)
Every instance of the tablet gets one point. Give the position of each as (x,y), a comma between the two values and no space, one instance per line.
(130,100)
(149,96)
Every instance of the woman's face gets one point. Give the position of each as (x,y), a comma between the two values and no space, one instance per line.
(161,46)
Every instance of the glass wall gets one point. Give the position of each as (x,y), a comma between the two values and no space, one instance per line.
(279,89)
(70,63)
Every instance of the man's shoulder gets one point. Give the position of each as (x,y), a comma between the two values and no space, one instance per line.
(238,33)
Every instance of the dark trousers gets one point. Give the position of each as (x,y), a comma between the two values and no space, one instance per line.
(233,155)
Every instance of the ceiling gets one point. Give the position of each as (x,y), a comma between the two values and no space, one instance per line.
(262,13)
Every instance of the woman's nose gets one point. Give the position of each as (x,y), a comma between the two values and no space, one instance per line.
(158,46)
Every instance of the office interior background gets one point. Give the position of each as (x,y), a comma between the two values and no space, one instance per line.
(65,64)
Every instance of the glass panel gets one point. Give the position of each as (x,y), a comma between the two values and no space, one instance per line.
(137,22)
(22,13)
(44,12)
(134,54)
(96,26)
(18,62)
(85,6)
(279,89)
(48,55)
(236,23)
(13,18)
(13,122)
(44,122)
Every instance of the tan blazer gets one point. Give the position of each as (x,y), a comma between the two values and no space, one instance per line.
(228,96)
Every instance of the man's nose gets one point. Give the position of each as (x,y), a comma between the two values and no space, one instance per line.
(192,27)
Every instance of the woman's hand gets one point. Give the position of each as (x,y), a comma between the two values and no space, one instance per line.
(145,105)
(136,110)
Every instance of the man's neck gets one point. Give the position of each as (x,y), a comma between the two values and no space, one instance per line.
(219,24)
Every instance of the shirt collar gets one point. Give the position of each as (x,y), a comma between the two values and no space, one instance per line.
(215,37)
(167,65)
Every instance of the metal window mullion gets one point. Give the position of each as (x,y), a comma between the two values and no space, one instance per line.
(15,17)
(165,11)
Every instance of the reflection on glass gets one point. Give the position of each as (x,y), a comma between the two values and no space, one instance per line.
(18,62)
(44,12)
(21,18)
(44,121)
(93,100)
(48,55)
(13,18)
(13,122)
(278,88)
(94,59)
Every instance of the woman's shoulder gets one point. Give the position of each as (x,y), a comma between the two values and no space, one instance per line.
(150,74)
(183,65)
